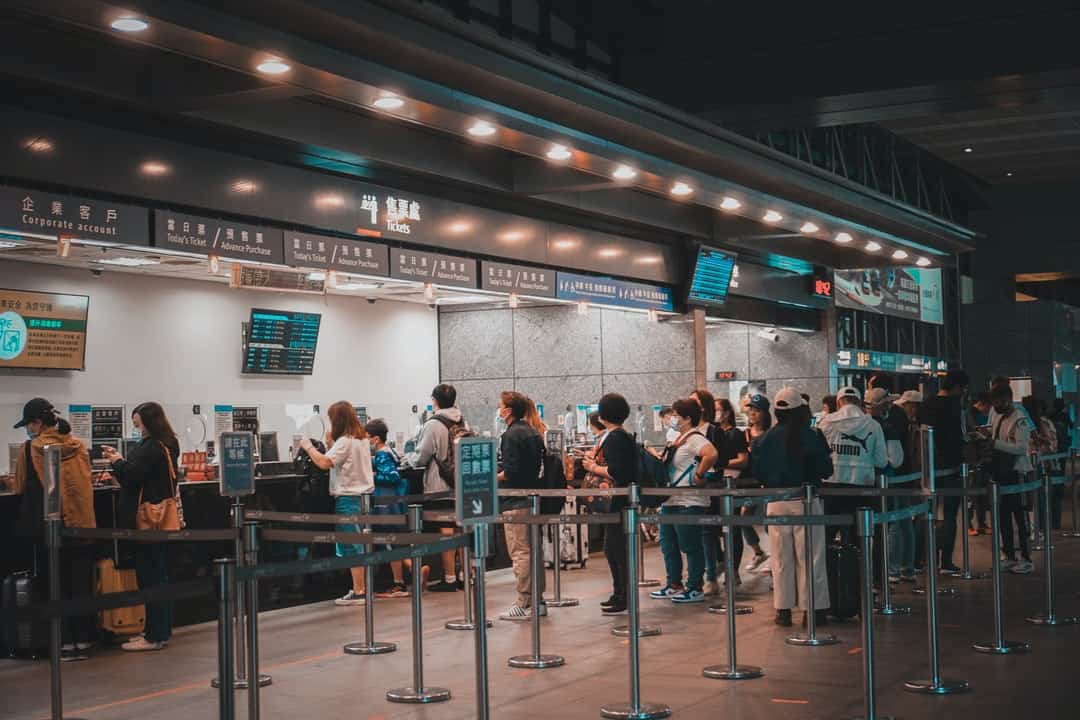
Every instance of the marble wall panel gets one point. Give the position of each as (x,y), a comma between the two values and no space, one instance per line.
(634,344)
(476,344)
(556,341)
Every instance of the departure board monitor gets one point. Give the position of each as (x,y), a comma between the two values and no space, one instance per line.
(281,342)
(713,269)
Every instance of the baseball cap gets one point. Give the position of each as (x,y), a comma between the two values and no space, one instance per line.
(877,396)
(758,401)
(788,399)
(909,396)
(36,409)
(849,392)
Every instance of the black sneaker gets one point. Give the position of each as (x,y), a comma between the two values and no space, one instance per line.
(69,653)
(443,587)
(948,569)
(609,602)
(616,609)
(783,618)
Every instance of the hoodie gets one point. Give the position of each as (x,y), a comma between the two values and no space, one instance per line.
(76,488)
(858,446)
(434,443)
(1012,435)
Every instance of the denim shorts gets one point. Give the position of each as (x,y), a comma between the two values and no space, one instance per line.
(348,505)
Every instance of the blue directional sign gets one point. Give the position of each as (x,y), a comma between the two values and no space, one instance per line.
(237,464)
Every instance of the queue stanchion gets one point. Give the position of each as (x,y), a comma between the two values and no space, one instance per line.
(479,560)
(732,671)
(933,562)
(864,529)
(934,685)
(810,638)
(999,645)
(1074,458)
(1050,617)
(417,693)
(251,531)
(965,544)
(536,661)
(468,622)
(722,608)
(643,580)
(226,585)
(887,607)
(556,565)
(635,709)
(369,646)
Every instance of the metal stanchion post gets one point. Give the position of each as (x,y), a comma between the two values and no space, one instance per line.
(226,585)
(369,646)
(864,528)
(810,638)
(1050,617)
(556,564)
(887,608)
(733,671)
(468,622)
(933,563)
(935,685)
(417,694)
(1036,531)
(536,661)
(721,608)
(251,531)
(1070,467)
(999,645)
(965,544)
(635,709)
(480,551)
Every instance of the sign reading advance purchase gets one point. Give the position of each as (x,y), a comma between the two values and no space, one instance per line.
(211,236)
(619,293)
(320,251)
(434,268)
(503,277)
(237,464)
(474,481)
(911,293)
(46,213)
(42,330)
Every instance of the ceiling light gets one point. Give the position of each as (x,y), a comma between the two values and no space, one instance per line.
(481,128)
(923,262)
(245,186)
(969,149)
(388,101)
(844,238)
(730,203)
(128,261)
(273,66)
(559,152)
(5,244)
(1008,174)
(648,260)
(330,200)
(129,24)
(459,226)
(317,276)
(681,189)
(155,168)
(899,255)
(512,236)
(624,172)
(808,228)
(357,286)
(40,145)
(609,252)
(565,244)
(429,291)
(873,246)
(772,217)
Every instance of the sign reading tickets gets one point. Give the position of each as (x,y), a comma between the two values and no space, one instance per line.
(503,277)
(618,293)
(48,213)
(434,268)
(237,464)
(475,469)
(320,251)
(42,330)
(911,293)
(212,236)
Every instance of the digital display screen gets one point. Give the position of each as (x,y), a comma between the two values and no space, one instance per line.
(712,276)
(280,342)
(42,330)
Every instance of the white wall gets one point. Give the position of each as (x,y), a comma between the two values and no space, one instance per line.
(179,342)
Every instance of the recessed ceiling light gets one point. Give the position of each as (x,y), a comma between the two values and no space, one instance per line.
(512,236)
(624,172)
(899,255)
(388,101)
(565,244)
(969,149)
(873,246)
(1008,174)
(273,66)
(922,262)
(681,189)
(808,228)
(459,226)
(559,152)
(129,24)
(330,200)
(128,261)
(245,186)
(481,128)
(40,145)
(609,252)
(153,167)
(844,238)
(730,203)
(648,260)
(772,217)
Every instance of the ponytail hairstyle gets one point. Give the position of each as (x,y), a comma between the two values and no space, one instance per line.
(796,419)
(51,418)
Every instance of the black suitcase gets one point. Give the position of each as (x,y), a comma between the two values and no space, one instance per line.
(24,638)
(842,562)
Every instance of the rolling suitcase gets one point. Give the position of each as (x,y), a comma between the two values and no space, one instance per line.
(27,639)
(573,540)
(123,621)
(842,562)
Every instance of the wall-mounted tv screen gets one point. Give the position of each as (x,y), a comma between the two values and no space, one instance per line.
(711,277)
(43,331)
(281,342)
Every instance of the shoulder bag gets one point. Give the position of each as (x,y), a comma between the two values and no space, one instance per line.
(164,515)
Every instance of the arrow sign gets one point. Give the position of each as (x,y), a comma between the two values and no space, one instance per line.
(477,507)
(475,468)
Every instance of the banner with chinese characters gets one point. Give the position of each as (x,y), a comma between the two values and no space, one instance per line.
(47,213)
(321,251)
(911,293)
(212,236)
(890,362)
(42,330)
(618,293)
(434,268)
(503,277)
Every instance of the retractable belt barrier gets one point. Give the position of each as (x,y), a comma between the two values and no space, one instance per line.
(150,535)
(908,513)
(746,520)
(110,601)
(349,538)
(561,492)
(593,519)
(1021,488)
(324,518)
(417,498)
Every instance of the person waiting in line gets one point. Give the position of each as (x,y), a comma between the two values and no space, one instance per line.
(521,449)
(945,413)
(44,426)
(902,533)
(690,459)
(880,405)
(789,456)
(348,458)
(434,448)
(1063,427)
(670,434)
(616,462)
(1043,441)
(150,472)
(978,416)
(710,535)
(1009,440)
(389,483)
(759,416)
(828,406)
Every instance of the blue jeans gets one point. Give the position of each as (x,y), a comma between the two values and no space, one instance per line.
(348,505)
(677,540)
(901,540)
(152,568)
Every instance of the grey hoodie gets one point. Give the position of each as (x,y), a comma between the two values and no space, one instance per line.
(858,446)
(434,443)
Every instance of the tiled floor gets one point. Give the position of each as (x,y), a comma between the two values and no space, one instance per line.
(301,649)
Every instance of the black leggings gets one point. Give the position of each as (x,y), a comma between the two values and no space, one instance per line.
(615,551)
(1012,510)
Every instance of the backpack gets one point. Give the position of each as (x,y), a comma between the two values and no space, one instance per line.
(553,478)
(653,472)
(456,431)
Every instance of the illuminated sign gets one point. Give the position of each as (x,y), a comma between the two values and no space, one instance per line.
(726,374)
(823,288)
(890,362)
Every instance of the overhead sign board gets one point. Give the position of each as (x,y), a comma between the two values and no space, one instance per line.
(333,253)
(434,268)
(890,362)
(475,480)
(504,277)
(237,464)
(48,213)
(911,293)
(213,236)
(617,293)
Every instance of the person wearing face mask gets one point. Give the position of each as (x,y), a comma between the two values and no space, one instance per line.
(44,427)
(389,483)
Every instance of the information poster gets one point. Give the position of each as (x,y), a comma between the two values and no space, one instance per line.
(245,419)
(475,467)
(911,293)
(223,422)
(81,419)
(106,422)
(42,330)
(237,464)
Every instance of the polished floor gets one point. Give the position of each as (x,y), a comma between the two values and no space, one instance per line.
(301,649)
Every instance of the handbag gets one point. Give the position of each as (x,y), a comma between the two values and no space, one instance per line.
(165,515)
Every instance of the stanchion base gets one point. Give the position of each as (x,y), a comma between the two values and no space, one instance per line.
(971,576)
(648,583)
(264,680)
(536,662)
(741,672)
(1008,647)
(465,625)
(1071,534)
(803,640)
(739,610)
(941,591)
(642,631)
(1053,620)
(893,610)
(422,696)
(375,648)
(565,602)
(644,711)
(943,687)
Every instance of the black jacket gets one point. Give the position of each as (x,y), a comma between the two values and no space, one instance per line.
(774,468)
(522,451)
(146,470)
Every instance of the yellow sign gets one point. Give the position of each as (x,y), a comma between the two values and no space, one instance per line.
(42,330)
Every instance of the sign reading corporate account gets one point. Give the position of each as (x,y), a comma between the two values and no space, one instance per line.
(42,330)
(47,213)
(211,236)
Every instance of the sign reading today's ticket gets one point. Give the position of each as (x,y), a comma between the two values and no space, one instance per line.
(475,483)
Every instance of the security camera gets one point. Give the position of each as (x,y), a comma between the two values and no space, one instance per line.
(97,272)
(432,306)
(769,334)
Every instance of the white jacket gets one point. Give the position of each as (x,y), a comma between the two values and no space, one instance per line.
(1012,434)
(858,446)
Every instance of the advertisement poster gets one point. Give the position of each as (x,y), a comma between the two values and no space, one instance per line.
(81,419)
(42,330)
(910,293)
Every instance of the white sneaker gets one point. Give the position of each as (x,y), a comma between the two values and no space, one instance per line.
(516,613)
(711,588)
(350,598)
(757,561)
(1022,567)
(141,644)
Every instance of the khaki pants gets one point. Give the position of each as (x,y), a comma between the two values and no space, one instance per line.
(517,544)
(788,546)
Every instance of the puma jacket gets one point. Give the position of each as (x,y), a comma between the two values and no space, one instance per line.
(857,443)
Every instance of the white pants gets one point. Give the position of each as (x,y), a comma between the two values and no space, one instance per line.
(788,546)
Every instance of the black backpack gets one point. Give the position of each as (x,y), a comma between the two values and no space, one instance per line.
(554,478)
(456,431)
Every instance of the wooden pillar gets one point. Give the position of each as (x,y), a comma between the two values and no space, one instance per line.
(700,355)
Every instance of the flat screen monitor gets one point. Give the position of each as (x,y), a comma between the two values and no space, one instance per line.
(281,342)
(712,276)
(268,449)
(44,331)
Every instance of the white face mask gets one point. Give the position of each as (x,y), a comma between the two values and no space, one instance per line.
(674,423)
